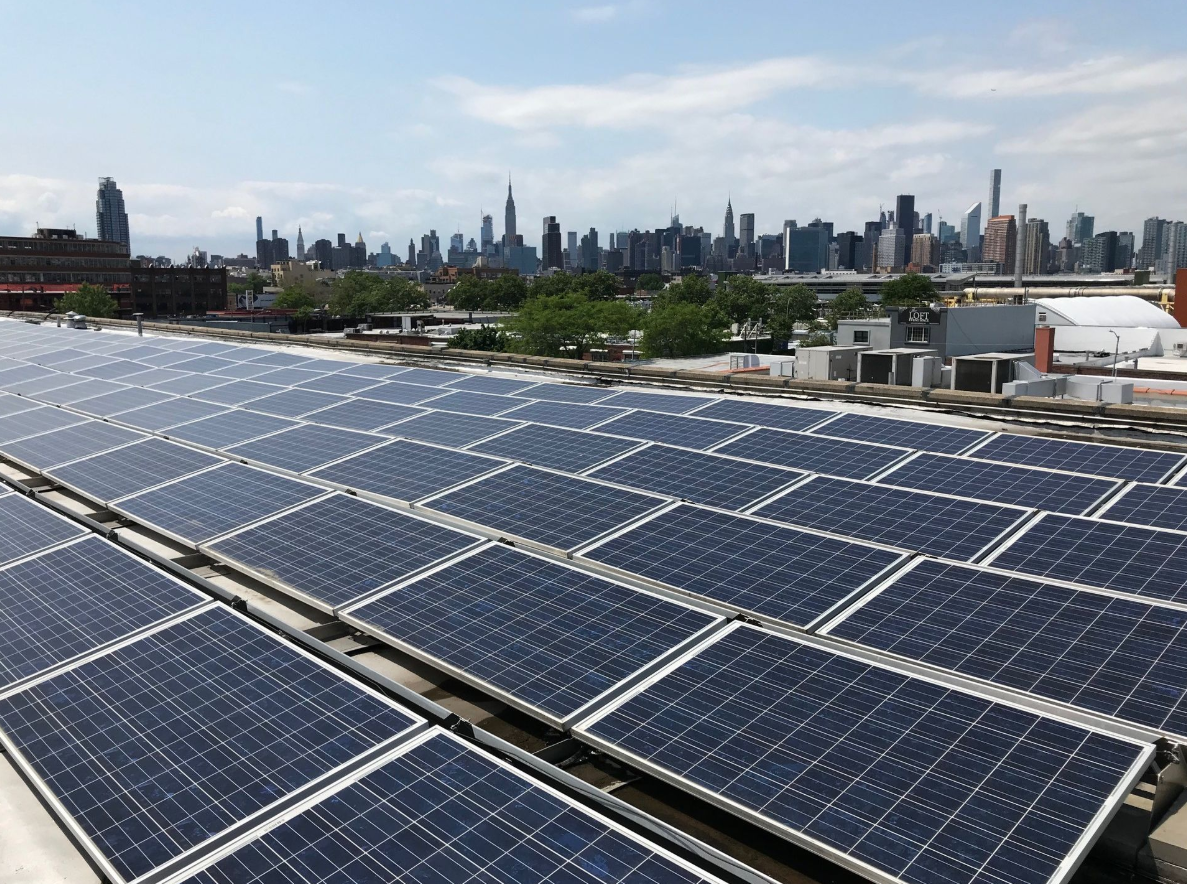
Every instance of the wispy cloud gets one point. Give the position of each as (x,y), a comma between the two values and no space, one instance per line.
(596,14)
(294,87)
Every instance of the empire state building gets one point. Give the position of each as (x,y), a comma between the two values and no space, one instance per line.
(509,238)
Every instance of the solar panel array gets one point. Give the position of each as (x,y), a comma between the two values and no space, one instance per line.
(553,638)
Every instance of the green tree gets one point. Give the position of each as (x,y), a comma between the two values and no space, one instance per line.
(650,282)
(506,292)
(487,338)
(598,286)
(469,293)
(546,286)
(690,290)
(359,294)
(548,325)
(300,300)
(815,339)
(744,299)
(909,290)
(683,329)
(404,295)
(790,305)
(850,304)
(255,283)
(89,300)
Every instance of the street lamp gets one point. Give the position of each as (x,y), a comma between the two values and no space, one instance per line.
(1116,351)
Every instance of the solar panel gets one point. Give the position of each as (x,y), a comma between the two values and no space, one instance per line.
(185,386)
(82,361)
(339,383)
(229,428)
(304,447)
(687,432)
(937,438)
(1110,656)
(69,601)
(1136,560)
(213,348)
(121,400)
(762,414)
(288,377)
(984,480)
(164,742)
(1115,461)
(930,523)
(115,370)
(582,395)
(235,393)
(241,355)
(338,548)
(545,636)
(37,386)
(670,403)
(130,469)
(816,454)
(179,410)
(17,373)
(34,421)
(401,394)
(563,414)
(163,360)
(555,510)
(453,430)
(483,383)
(753,566)
(200,507)
(407,471)
(69,443)
(1159,506)
(27,527)
(13,404)
(139,351)
(77,392)
(241,371)
(428,376)
(946,786)
(155,374)
(443,811)
(556,447)
(710,479)
(294,403)
(280,360)
(362,414)
(54,357)
(203,364)
(327,366)
(465,402)
(374,370)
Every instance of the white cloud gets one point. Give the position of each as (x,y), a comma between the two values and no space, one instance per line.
(1118,131)
(1113,75)
(230,212)
(596,14)
(295,87)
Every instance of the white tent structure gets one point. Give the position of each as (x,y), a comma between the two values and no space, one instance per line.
(1104,311)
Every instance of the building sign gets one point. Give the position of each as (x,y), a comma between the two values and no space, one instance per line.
(918,316)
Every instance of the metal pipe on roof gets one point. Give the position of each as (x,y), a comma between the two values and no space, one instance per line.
(1149,293)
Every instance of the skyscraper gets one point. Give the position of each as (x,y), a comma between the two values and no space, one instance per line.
(457,242)
(1079,228)
(1125,250)
(1038,247)
(999,244)
(904,214)
(970,231)
(550,251)
(589,250)
(571,243)
(727,231)
(1175,256)
(110,218)
(488,234)
(995,192)
(509,218)
(926,226)
(1153,243)
(746,243)
(259,228)
(300,244)
(412,251)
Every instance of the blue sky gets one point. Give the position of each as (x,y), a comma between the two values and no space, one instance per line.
(391,118)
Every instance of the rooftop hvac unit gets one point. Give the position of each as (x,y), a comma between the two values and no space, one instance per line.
(1181,348)
(743,360)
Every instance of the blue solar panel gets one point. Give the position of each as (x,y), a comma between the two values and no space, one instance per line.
(816,454)
(947,786)
(547,636)
(548,508)
(27,527)
(401,394)
(1140,561)
(42,383)
(339,548)
(929,523)
(229,428)
(339,383)
(670,403)
(188,385)
(200,507)
(77,392)
(16,373)
(374,370)
(132,468)
(69,443)
(1111,656)
(288,377)
(69,601)
(566,393)
(465,402)
(1138,464)
(750,565)
(564,414)
(34,421)
(362,414)
(235,393)
(279,360)
(1159,506)
(406,471)
(556,447)
(481,383)
(163,743)
(305,447)
(673,429)
(203,364)
(428,376)
(163,415)
(121,400)
(936,438)
(453,430)
(1004,483)
(241,371)
(441,811)
(169,357)
(14,404)
(710,479)
(117,369)
(763,414)
(294,403)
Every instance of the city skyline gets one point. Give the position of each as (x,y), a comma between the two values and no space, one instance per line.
(601,140)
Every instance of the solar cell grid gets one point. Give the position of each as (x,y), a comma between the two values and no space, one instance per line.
(444,810)
(213,348)
(405,470)
(72,393)
(339,383)
(482,383)
(763,414)
(817,454)
(1159,506)
(750,565)
(400,393)
(550,637)
(564,414)
(428,376)
(200,507)
(374,370)
(582,395)
(69,443)
(43,383)
(293,403)
(121,400)
(937,438)
(915,520)
(1131,559)
(279,360)
(555,447)
(948,786)
(1116,461)
(454,430)
(82,361)
(132,468)
(339,548)
(241,371)
(548,508)
(1004,483)
(235,393)
(71,600)
(164,360)
(115,369)
(710,479)
(163,415)
(14,404)
(670,403)
(27,528)
(203,364)
(55,356)
(35,420)
(185,386)
(362,414)
(673,429)
(1107,655)
(288,377)
(229,428)
(466,402)
(17,373)
(140,351)
(164,742)
(304,447)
